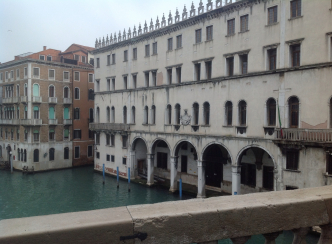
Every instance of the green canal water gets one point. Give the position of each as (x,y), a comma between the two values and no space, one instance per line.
(81,189)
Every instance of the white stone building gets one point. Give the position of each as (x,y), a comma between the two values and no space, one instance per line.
(197,96)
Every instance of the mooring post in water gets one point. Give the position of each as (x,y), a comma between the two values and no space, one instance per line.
(103,173)
(11,162)
(180,188)
(117,176)
(129,179)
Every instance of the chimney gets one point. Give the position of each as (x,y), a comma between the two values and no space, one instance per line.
(44,48)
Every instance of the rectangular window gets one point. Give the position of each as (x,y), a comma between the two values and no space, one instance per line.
(65,75)
(198,72)
(295,8)
(108,157)
(135,53)
(108,140)
(97,86)
(90,77)
(49,58)
(292,160)
(169,44)
(112,140)
(147,50)
(230,66)
(124,161)
(295,55)
(178,75)
(108,59)
(76,113)
(77,75)
(169,76)
(91,133)
(12,74)
(272,58)
(134,81)
(17,74)
(25,72)
(244,23)
(113,58)
(98,63)
(77,93)
(36,136)
(147,79)
(208,68)
(244,63)
(77,57)
(1,76)
(124,141)
(41,57)
(209,33)
(51,135)
(113,84)
(51,74)
(66,134)
(248,174)
(97,155)
(162,160)
(268,177)
(231,27)
(125,56)
(154,48)
(98,139)
(77,134)
(179,41)
(272,15)
(112,158)
(36,72)
(184,163)
(83,59)
(125,82)
(198,36)
(77,152)
(154,78)
(108,84)
(90,154)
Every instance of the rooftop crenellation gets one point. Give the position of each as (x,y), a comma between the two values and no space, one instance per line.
(170,21)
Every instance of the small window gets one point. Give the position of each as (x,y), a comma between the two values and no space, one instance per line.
(271,112)
(108,84)
(272,58)
(273,15)
(124,141)
(169,76)
(198,36)
(36,136)
(178,75)
(242,113)
(83,59)
(66,75)
(17,74)
(244,23)
(154,78)
(295,55)
(209,33)
(113,58)
(25,72)
(154,48)
(125,82)
(76,113)
(77,57)
(198,72)
(208,69)
(112,158)
(77,134)
(229,113)
(51,135)
(125,56)
(97,86)
(292,160)
(113,84)
(36,72)
(51,154)
(49,58)
(90,153)
(66,134)
(66,153)
(169,44)
(108,157)
(124,161)
(77,93)
(147,50)
(206,113)
(51,74)
(51,92)
(12,74)
(147,79)
(66,92)
(98,63)
(77,152)
(1,76)
(112,140)
(108,59)
(41,57)
(179,41)
(97,155)
(244,64)
(90,77)
(146,115)
(77,76)
(231,27)
(295,8)
(36,156)
(135,53)
(230,66)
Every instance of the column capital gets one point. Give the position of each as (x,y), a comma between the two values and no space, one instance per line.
(201,163)
(149,155)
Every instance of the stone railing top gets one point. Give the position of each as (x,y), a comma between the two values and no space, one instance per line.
(196,220)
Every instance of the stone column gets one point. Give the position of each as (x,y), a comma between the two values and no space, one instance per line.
(236,180)
(240,240)
(201,179)
(326,235)
(174,172)
(299,235)
(133,169)
(150,179)
(270,238)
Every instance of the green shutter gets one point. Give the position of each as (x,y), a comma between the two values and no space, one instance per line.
(66,113)
(35,108)
(12,130)
(36,90)
(36,131)
(26,131)
(18,130)
(51,113)
(26,108)
(66,133)
(51,131)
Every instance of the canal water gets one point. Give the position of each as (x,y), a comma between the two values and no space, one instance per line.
(81,189)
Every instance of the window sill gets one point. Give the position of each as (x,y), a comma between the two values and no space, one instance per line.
(209,41)
(241,32)
(197,43)
(155,54)
(229,35)
(134,59)
(168,51)
(205,125)
(327,175)
(124,147)
(168,124)
(145,124)
(272,24)
(147,56)
(241,126)
(179,48)
(152,124)
(297,17)
(125,61)
(228,126)
(292,170)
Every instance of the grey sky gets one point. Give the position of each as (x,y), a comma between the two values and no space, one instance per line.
(28,25)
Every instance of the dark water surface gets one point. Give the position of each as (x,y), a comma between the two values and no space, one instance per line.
(81,189)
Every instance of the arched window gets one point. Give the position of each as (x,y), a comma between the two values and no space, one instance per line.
(91,95)
(36,112)
(195,113)
(125,114)
(22,155)
(25,112)
(25,89)
(242,113)
(51,91)
(25,155)
(66,153)
(112,114)
(146,116)
(206,110)
(169,114)
(18,154)
(35,90)
(77,113)
(271,112)
(51,113)
(108,114)
(293,112)
(153,115)
(133,114)
(229,113)
(97,115)
(51,154)
(66,92)
(66,113)
(36,155)
(177,114)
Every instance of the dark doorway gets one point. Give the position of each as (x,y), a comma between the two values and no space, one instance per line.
(140,166)
(213,159)
(162,160)
(184,163)
(248,174)
(268,177)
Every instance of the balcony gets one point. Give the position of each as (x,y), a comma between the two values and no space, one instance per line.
(5,121)
(189,221)
(67,121)
(52,100)
(52,121)
(24,99)
(36,99)
(15,121)
(31,122)
(67,101)
(109,126)
(8,100)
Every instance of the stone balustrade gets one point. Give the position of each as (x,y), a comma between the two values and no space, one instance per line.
(311,135)
(109,127)
(191,221)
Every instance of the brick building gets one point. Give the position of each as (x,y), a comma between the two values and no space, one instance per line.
(44,109)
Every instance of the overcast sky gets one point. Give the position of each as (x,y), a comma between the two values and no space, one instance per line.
(28,25)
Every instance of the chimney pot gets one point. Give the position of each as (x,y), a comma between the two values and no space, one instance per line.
(44,48)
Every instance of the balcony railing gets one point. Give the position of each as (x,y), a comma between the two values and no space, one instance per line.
(309,135)
(52,121)
(67,101)
(36,99)
(15,121)
(5,121)
(67,121)
(190,221)
(7,100)
(109,126)
(24,99)
(52,100)
(31,122)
